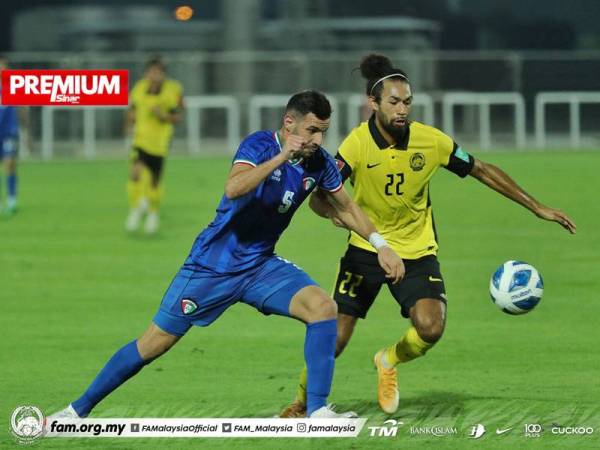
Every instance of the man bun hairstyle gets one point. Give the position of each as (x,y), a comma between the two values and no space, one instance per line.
(309,101)
(377,68)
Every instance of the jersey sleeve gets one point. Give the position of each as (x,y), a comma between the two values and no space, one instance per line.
(134,95)
(349,151)
(453,157)
(252,151)
(177,94)
(343,167)
(331,180)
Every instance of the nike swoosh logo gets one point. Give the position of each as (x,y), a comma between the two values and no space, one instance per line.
(498,431)
(435,279)
(370,166)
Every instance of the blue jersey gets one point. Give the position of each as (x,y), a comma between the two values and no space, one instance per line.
(9,123)
(246,229)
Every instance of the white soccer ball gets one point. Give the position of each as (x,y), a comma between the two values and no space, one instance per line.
(516,287)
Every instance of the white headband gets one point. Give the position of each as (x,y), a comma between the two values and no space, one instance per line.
(386,77)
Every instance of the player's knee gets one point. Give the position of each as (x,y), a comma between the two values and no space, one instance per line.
(322,308)
(152,350)
(430,330)
(11,166)
(135,172)
(155,343)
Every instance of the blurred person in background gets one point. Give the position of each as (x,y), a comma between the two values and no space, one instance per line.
(9,147)
(155,105)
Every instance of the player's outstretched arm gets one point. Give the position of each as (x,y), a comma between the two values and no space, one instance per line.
(321,207)
(129,120)
(495,178)
(347,212)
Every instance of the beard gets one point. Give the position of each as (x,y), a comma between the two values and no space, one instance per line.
(397,133)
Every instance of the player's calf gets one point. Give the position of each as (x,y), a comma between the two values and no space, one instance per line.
(345,328)
(123,365)
(313,306)
(155,342)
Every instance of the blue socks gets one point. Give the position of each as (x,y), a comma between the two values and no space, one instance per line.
(319,353)
(124,364)
(11,185)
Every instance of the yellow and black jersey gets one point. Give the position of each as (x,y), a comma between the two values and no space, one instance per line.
(391,182)
(151,134)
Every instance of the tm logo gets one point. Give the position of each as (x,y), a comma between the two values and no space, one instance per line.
(388,429)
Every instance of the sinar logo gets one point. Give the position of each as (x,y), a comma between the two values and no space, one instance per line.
(388,429)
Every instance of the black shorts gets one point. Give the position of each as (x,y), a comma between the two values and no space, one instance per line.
(152,162)
(360,278)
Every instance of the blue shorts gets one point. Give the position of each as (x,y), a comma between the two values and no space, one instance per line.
(9,147)
(198,296)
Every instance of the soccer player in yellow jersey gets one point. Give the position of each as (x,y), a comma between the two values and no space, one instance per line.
(390,161)
(156,104)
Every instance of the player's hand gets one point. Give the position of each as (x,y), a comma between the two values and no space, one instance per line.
(337,222)
(293,144)
(157,111)
(391,263)
(556,215)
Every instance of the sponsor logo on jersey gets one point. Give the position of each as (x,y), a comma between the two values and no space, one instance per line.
(65,87)
(417,161)
(276,175)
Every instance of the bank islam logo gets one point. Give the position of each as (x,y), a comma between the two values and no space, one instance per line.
(27,423)
(477,431)
(437,431)
(388,429)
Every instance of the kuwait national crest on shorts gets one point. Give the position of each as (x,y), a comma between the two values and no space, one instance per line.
(188,306)
(308,183)
(417,161)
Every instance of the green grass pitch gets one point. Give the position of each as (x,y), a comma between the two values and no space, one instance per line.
(75,287)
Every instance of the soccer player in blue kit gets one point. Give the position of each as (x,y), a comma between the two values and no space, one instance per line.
(9,144)
(233,259)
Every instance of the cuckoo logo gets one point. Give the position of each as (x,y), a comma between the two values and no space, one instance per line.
(65,87)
